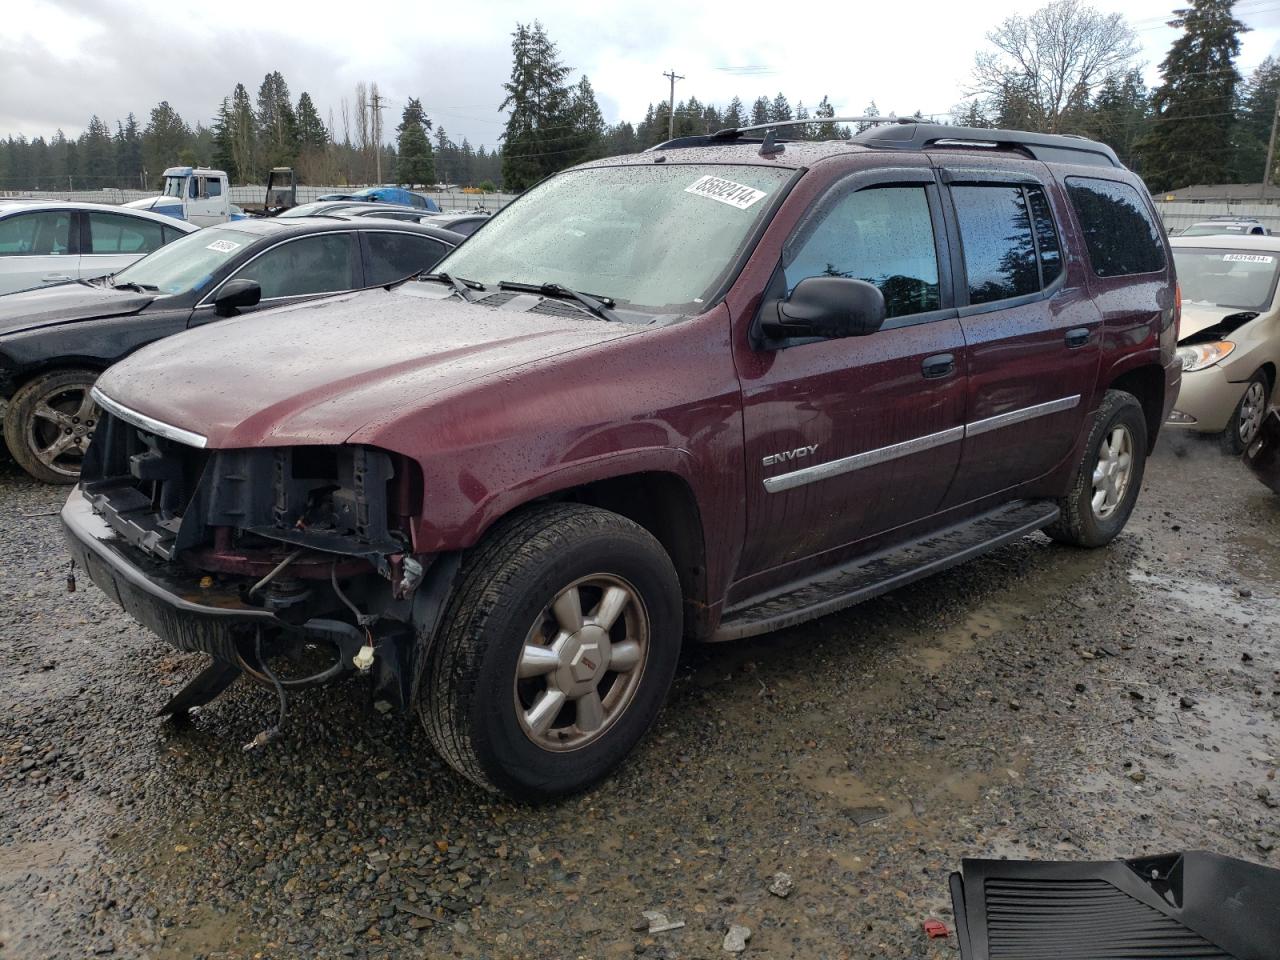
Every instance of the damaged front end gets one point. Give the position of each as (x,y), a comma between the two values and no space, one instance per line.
(293,565)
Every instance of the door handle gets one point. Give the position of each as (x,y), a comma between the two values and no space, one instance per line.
(54,278)
(1078,337)
(939,365)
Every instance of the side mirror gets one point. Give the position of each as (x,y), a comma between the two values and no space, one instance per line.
(236,295)
(830,307)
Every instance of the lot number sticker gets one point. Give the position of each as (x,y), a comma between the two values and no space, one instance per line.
(1247,258)
(726,191)
(222,246)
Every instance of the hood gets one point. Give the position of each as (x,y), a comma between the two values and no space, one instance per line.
(316,373)
(66,303)
(170,206)
(1198,316)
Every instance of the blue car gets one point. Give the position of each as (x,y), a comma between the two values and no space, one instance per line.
(387,195)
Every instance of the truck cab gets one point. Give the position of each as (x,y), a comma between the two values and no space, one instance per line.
(199,195)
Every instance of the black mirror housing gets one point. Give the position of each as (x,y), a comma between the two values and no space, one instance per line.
(830,307)
(237,295)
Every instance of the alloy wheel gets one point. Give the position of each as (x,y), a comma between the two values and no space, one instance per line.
(60,427)
(1112,471)
(581,662)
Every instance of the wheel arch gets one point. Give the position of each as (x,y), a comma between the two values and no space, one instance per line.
(1147,384)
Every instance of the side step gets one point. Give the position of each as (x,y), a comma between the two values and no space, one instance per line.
(868,577)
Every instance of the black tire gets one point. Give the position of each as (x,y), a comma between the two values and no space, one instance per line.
(468,693)
(1240,432)
(1079,524)
(24,431)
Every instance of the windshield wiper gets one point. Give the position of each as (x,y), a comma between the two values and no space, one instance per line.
(461,287)
(137,287)
(600,306)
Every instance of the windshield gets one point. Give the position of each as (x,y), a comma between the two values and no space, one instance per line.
(657,238)
(1212,229)
(187,263)
(173,186)
(1226,278)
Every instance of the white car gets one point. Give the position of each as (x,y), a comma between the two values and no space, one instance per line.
(51,241)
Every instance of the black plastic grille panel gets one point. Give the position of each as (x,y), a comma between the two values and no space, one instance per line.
(1083,920)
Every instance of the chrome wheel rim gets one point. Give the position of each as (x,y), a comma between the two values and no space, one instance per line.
(579,671)
(1112,472)
(1252,406)
(61,426)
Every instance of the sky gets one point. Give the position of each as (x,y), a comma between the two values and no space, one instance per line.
(64,60)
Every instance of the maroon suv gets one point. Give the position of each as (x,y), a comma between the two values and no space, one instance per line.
(704,392)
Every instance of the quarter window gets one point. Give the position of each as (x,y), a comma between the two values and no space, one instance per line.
(394,256)
(310,265)
(883,235)
(35,234)
(117,233)
(1118,229)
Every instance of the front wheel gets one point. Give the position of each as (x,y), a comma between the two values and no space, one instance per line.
(49,423)
(1105,485)
(556,651)
(1247,416)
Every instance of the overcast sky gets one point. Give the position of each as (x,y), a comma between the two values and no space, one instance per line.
(63,60)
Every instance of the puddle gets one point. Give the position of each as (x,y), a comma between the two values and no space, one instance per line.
(946,645)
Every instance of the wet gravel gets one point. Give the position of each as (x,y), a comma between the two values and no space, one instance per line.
(1041,702)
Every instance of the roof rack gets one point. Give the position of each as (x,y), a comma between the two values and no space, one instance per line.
(1055,147)
(736,134)
(908,133)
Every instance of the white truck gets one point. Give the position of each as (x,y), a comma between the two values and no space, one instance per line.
(198,195)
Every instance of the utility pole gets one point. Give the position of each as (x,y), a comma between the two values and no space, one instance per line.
(671,109)
(376,103)
(1271,148)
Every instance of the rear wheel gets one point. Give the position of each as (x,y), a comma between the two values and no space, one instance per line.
(1247,416)
(556,651)
(49,423)
(1107,480)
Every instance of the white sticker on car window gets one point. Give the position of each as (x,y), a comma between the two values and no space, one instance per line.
(726,191)
(223,246)
(1247,258)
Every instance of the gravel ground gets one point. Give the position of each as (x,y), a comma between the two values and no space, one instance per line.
(1041,702)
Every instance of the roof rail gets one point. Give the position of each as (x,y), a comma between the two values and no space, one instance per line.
(731,134)
(1048,147)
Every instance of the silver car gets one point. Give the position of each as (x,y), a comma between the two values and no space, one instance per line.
(43,242)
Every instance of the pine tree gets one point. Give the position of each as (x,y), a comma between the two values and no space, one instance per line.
(1192,108)
(223,136)
(243,130)
(734,114)
(779,109)
(444,151)
(1118,114)
(830,131)
(98,154)
(277,121)
(313,137)
(415,162)
(588,122)
(1257,105)
(539,136)
(128,150)
(164,139)
(760,111)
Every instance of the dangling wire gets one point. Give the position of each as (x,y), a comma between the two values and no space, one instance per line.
(271,733)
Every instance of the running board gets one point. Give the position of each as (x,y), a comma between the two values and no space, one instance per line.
(868,577)
(1192,906)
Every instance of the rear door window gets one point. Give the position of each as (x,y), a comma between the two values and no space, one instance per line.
(1118,230)
(1009,240)
(394,256)
(883,235)
(35,234)
(324,263)
(118,233)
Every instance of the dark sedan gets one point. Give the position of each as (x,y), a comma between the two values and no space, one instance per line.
(55,341)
